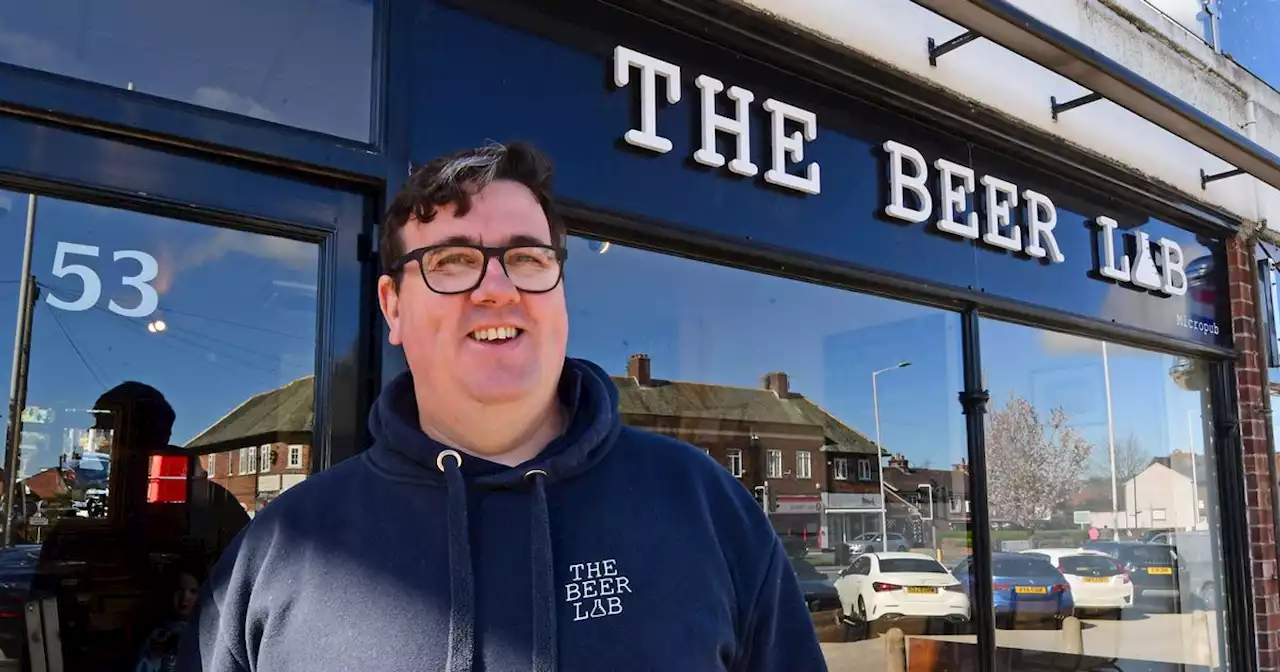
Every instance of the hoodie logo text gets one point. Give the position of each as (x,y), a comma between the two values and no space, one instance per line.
(596,590)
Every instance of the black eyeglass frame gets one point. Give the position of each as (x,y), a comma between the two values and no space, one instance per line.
(498,252)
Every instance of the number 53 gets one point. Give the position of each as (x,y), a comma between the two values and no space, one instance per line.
(149,299)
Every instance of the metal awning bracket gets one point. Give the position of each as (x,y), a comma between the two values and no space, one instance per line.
(1206,178)
(1056,108)
(937,51)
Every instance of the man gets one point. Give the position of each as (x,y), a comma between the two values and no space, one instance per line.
(504,518)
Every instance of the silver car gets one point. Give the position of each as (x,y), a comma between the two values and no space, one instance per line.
(871,542)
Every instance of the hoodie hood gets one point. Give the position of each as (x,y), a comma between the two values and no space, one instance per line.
(402,450)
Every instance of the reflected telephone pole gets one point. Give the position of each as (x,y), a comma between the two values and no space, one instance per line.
(884,501)
(18,373)
(1111,448)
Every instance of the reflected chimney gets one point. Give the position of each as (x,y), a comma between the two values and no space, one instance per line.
(638,367)
(961,466)
(777,381)
(899,460)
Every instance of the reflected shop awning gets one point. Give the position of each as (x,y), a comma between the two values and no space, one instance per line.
(1014,29)
(286,415)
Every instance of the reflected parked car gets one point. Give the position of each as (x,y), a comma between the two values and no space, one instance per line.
(892,586)
(871,542)
(1154,568)
(819,592)
(1099,583)
(1023,586)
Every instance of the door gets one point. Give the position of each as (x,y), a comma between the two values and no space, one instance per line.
(162,378)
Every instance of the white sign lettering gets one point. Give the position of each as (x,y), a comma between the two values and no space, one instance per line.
(596,590)
(909,172)
(784,147)
(1006,218)
(1161,272)
(148,298)
(738,126)
(647,135)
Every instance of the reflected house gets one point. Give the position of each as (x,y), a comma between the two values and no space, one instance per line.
(777,443)
(263,446)
(914,491)
(1160,496)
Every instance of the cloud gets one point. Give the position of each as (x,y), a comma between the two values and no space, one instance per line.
(222,99)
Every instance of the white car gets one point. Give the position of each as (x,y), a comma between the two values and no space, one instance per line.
(1098,582)
(892,586)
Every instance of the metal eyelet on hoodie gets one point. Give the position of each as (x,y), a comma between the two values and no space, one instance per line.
(528,475)
(447,453)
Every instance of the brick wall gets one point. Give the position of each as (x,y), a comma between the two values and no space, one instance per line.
(1258,485)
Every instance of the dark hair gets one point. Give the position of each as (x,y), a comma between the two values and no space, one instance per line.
(455,178)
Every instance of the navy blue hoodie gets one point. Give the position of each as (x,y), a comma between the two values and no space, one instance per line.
(614,549)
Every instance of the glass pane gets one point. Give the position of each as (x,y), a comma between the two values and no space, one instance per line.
(160,351)
(755,369)
(1103,447)
(304,63)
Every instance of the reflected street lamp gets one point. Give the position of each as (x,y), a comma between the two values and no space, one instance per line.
(884,501)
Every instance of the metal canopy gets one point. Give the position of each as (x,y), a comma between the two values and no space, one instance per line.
(1012,28)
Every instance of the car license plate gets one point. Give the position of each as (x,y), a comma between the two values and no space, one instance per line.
(1160,570)
(1031,590)
(924,590)
(1096,579)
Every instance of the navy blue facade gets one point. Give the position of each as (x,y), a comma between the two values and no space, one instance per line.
(437,87)
(552,84)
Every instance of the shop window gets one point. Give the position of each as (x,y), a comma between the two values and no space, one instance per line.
(160,351)
(757,369)
(1081,429)
(775,464)
(303,63)
(735,463)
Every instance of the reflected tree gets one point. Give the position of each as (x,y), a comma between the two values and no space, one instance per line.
(1032,466)
(1131,460)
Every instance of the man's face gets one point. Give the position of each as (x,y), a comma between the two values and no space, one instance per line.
(437,330)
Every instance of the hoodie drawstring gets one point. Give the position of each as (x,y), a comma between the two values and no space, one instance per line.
(462,580)
(544,603)
(462,608)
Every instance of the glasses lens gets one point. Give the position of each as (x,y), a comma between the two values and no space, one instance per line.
(533,269)
(452,269)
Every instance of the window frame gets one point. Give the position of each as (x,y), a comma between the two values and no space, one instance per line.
(840,468)
(734,458)
(771,462)
(807,462)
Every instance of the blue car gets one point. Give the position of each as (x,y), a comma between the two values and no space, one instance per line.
(1023,587)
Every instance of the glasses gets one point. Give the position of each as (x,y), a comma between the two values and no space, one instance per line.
(457,269)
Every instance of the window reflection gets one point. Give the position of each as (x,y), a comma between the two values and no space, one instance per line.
(305,63)
(158,352)
(1100,472)
(772,378)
